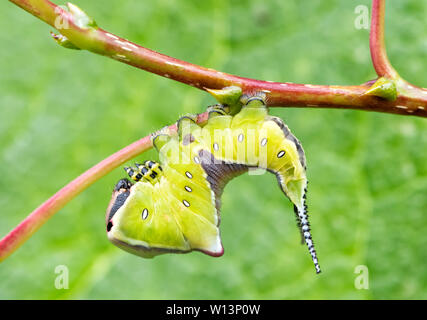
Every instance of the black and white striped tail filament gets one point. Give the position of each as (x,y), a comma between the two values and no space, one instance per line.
(305,229)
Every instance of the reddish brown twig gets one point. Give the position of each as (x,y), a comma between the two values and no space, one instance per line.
(278,94)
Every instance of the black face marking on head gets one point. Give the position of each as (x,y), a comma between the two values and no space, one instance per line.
(123,184)
(281,154)
(120,194)
(120,200)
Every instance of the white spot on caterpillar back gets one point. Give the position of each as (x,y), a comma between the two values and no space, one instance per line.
(281,154)
(263,142)
(186,203)
(144,214)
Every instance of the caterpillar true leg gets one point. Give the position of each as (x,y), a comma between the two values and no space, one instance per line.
(134,173)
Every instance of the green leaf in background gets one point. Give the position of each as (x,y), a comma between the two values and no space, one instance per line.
(62,111)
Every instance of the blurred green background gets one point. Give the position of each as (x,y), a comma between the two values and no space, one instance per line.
(62,111)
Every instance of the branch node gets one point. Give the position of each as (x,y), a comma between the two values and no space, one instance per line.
(383,88)
(81,18)
(63,41)
(229,96)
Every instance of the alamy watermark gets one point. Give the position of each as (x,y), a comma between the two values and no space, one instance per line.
(361,282)
(250,147)
(362,18)
(60,22)
(62,278)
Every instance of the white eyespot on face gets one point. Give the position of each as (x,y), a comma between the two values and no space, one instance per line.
(240,137)
(281,154)
(186,203)
(189,175)
(263,142)
(144,214)
(188,188)
(216,146)
(197,160)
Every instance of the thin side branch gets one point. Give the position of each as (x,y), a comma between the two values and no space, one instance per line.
(379,57)
(406,91)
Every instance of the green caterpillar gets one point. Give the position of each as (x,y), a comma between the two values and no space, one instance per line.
(174,206)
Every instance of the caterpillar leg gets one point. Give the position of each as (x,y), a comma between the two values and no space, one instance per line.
(149,171)
(134,173)
(253,112)
(254,100)
(218,110)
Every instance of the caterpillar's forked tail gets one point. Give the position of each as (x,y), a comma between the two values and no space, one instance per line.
(306,233)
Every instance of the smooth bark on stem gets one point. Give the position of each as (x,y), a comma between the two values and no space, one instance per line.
(379,57)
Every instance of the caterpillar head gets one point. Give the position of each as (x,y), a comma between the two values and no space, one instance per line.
(132,229)
(120,194)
